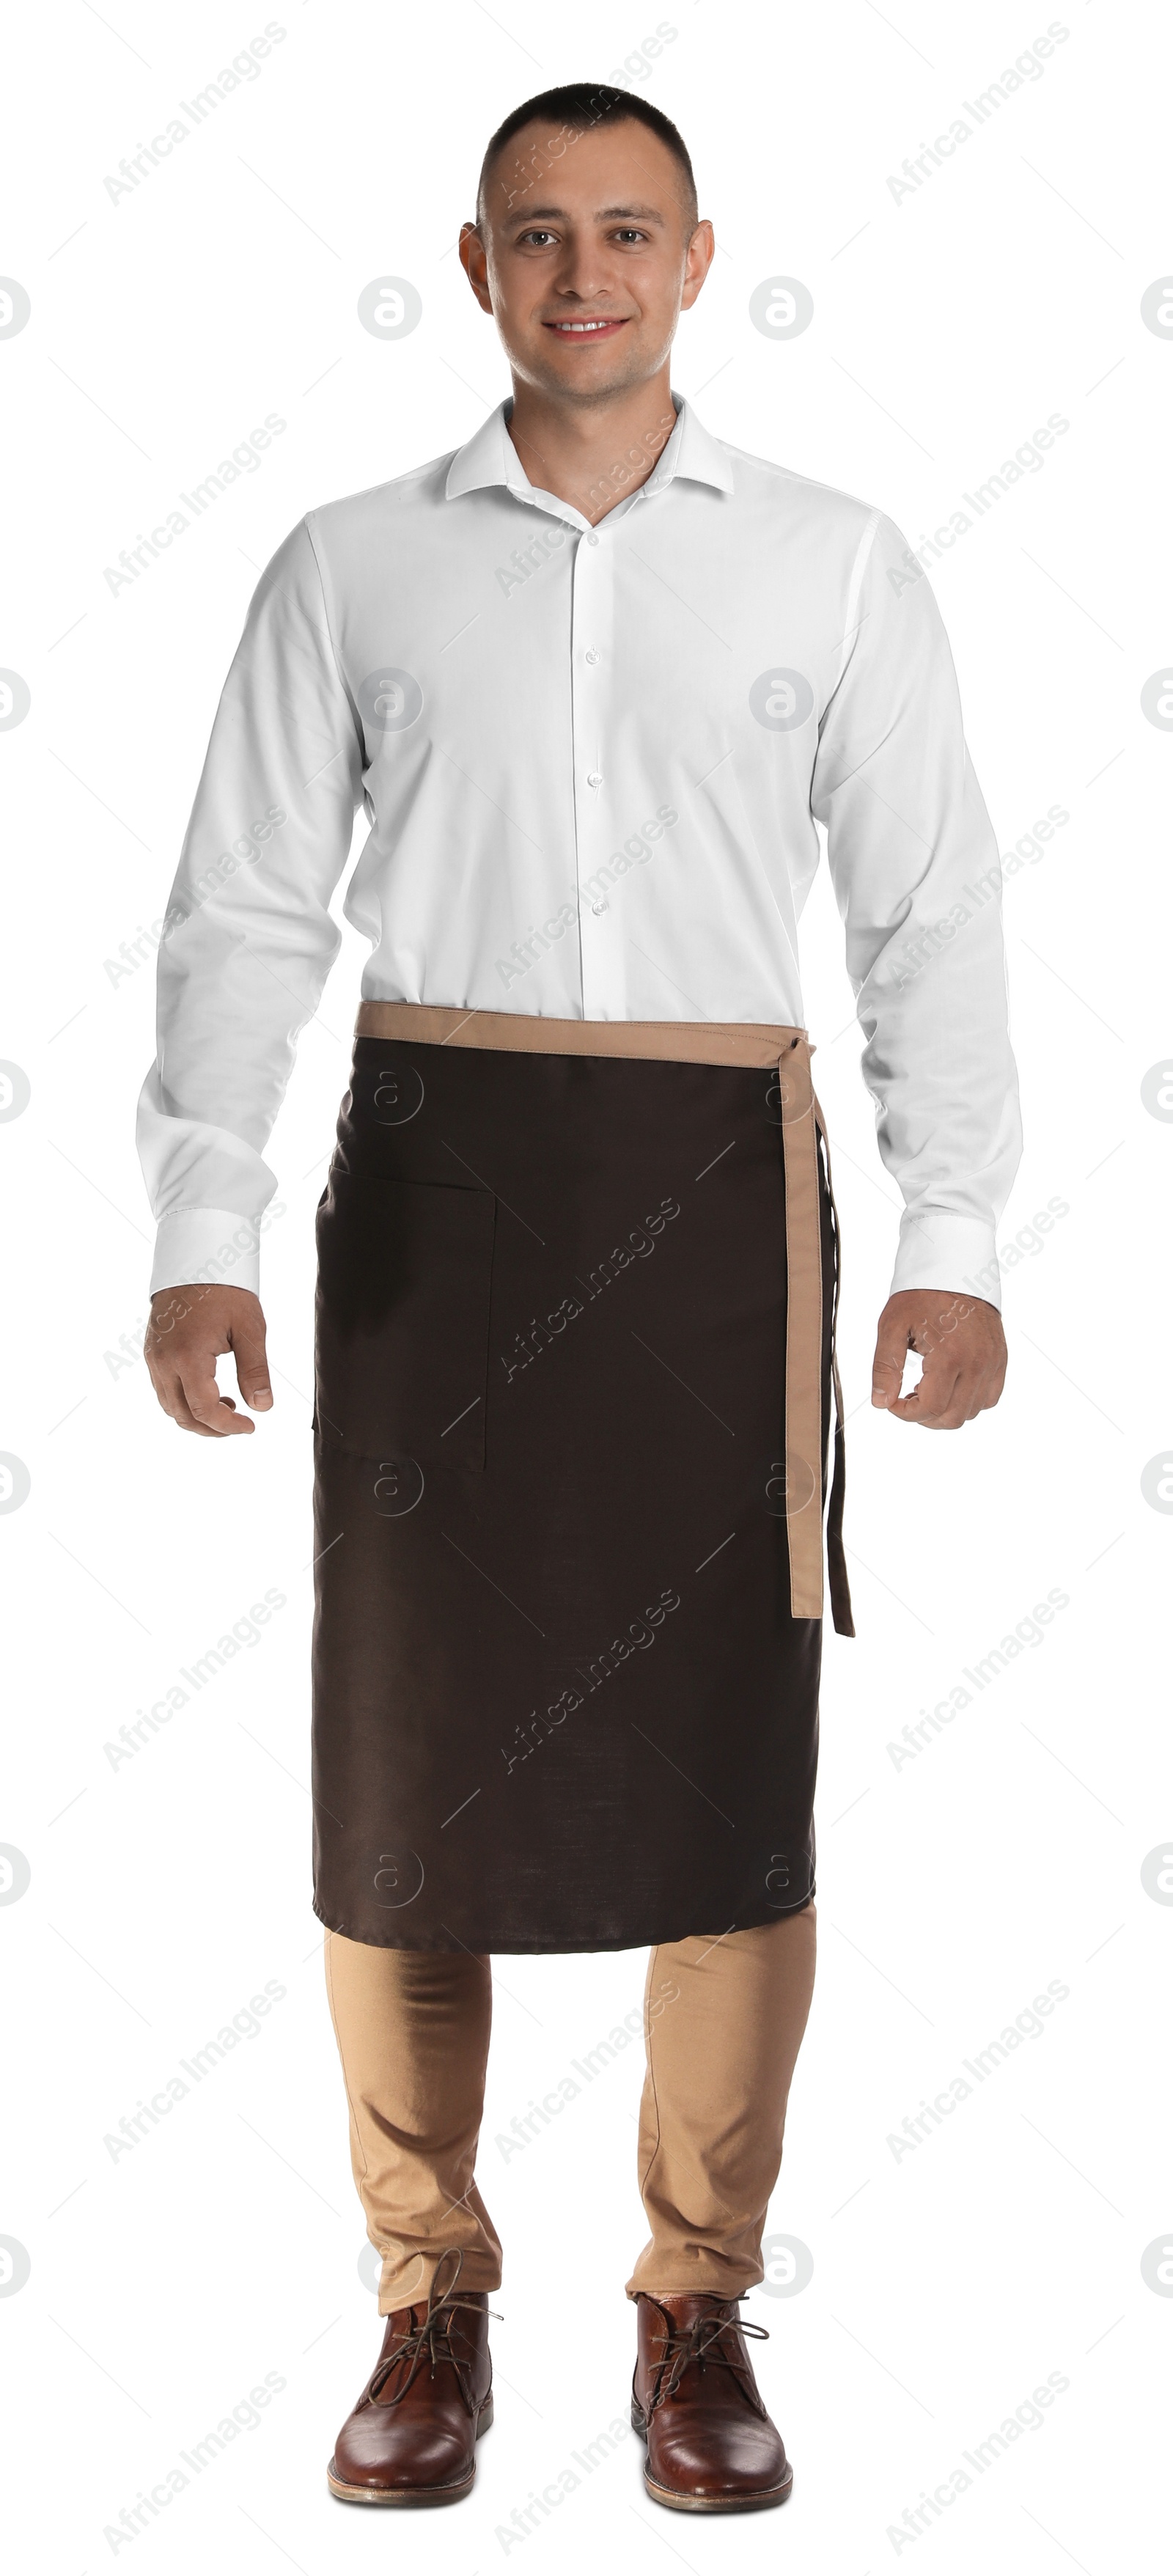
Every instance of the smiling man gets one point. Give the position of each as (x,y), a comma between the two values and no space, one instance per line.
(595,677)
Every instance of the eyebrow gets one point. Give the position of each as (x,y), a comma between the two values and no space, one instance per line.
(604,214)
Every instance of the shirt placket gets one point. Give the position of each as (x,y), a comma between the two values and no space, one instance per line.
(592,662)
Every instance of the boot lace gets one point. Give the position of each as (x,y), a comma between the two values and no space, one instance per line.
(430,2341)
(701,2342)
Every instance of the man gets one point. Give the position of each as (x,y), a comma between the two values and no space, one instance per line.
(594,678)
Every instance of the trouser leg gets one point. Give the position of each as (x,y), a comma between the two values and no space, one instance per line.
(412,2028)
(723,2022)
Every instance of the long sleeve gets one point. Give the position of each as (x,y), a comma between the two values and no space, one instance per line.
(248,939)
(918,882)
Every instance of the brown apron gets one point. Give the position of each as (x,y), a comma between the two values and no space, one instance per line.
(574,1367)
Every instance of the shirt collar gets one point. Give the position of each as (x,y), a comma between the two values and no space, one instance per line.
(490,457)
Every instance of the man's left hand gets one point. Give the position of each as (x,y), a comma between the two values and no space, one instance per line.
(963,1347)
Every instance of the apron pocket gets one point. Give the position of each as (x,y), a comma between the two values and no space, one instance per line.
(401,1337)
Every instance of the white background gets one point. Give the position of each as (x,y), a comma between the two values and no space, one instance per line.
(165,1890)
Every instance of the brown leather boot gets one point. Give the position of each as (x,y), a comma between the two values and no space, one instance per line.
(412,2437)
(711,2445)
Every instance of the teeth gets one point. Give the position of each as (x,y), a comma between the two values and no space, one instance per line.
(584,326)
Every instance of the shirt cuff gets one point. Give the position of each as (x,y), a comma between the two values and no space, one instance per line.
(198,1247)
(940,1249)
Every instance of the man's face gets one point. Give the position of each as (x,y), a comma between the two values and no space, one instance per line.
(586,257)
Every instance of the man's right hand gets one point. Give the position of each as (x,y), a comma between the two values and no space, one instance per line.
(188,1330)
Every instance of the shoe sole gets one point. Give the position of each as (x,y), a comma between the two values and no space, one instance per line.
(410,2495)
(679,2501)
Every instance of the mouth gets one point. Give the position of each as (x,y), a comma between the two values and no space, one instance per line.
(602,327)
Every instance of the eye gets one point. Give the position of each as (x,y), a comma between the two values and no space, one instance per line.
(631,233)
(537,235)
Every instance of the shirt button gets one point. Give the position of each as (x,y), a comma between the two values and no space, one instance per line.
(598,907)
(592,541)
(594,778)
(592,657)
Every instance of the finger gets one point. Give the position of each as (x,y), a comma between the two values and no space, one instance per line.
(979,1387)
(217,1412)
(994,1381)
(945,1369)
(950,1418)
(174,1403)
(182,1415)
(888,1364)
(934,1399)
(252,1368)
(973,1391)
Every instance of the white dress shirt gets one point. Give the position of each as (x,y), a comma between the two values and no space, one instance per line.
(591,760)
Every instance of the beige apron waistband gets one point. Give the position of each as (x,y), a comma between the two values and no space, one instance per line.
(522,1032)
(750,1045)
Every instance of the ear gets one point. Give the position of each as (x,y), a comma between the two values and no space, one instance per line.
(475,264)
(698,261)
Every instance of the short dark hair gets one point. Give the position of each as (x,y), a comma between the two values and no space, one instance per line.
(579,106)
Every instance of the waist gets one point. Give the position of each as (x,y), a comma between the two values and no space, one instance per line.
(731,1042)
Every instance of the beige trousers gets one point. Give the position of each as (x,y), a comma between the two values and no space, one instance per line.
(723,2022)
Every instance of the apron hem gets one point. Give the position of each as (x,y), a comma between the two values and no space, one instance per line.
(506,1949)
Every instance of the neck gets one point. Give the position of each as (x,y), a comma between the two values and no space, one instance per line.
(592,455)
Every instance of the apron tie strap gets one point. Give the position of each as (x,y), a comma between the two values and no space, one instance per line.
(836,1560)
(802,1128)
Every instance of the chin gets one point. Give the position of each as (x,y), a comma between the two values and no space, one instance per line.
(622,371)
